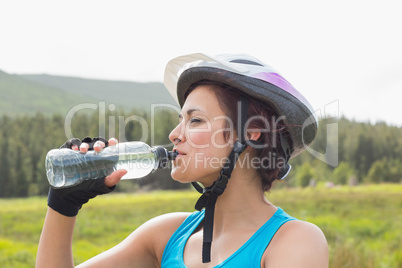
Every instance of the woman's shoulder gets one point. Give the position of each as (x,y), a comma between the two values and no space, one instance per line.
(297,231)
(298,244)
(175,218)
(166,224)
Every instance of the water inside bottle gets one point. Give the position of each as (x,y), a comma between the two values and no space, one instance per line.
(137,158)
(65,167)
(137,165)
(70,167)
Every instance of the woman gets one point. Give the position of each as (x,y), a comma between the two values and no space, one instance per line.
(240,124)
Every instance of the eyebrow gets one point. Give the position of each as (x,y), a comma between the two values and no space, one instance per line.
(190,111)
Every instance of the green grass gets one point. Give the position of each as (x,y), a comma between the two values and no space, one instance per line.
(363,224)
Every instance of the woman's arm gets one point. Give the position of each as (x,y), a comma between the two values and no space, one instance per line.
(55,242)
(143,248)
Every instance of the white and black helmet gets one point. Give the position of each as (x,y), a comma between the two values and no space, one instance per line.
(253,78)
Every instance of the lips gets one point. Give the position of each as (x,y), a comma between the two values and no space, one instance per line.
(180,153)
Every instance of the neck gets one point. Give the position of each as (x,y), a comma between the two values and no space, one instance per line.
(242,202)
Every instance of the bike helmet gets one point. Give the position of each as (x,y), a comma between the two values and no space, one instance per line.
(253,79)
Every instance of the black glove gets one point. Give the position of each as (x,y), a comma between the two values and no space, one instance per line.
(68,201)
(91,141)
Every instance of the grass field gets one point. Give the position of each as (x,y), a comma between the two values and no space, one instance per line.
(363,224)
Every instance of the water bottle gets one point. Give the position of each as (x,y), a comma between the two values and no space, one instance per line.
(66,167)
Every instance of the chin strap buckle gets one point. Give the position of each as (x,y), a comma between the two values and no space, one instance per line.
(219,186)
(239,147)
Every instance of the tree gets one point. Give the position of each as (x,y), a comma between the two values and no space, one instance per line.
(342,173)
(6,189)
(364,153)
(385,170)
(304,174)
(21,183)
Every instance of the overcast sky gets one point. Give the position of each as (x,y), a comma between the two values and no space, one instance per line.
(345,54)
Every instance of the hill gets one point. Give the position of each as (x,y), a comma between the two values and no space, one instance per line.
(49,94)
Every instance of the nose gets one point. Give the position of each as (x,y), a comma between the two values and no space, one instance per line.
(177,134)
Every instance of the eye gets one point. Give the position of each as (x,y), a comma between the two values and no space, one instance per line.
(194,120)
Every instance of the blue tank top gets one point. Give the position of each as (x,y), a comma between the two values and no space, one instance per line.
(248,255)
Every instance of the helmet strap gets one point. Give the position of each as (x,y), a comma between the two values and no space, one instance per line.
(287,152)
(210,194)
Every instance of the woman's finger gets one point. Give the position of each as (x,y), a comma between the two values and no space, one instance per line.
(98,146)
(115,177)
(74,147)
(84,147)
(113,141)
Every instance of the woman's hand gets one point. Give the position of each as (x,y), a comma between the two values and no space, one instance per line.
(68,201)
(98,146)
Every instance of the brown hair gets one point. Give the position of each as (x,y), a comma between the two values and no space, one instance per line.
(260,117)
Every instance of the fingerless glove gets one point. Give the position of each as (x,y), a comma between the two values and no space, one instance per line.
(91,141)
(68,201)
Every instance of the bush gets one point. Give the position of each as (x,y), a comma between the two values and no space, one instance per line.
(342,173)
(304,174)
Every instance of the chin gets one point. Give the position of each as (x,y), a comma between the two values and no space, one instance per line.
(196,176)
(180,176)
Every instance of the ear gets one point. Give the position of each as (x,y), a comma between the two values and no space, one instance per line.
(253,134)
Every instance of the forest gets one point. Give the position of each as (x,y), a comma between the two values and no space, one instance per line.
(361,152)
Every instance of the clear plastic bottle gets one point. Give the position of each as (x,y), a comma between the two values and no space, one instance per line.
(66,167)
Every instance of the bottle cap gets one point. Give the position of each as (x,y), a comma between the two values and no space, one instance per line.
(172,155)
(164,156)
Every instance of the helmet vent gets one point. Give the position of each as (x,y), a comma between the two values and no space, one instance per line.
(246,62)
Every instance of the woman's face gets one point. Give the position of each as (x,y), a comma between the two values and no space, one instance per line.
(199,138)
